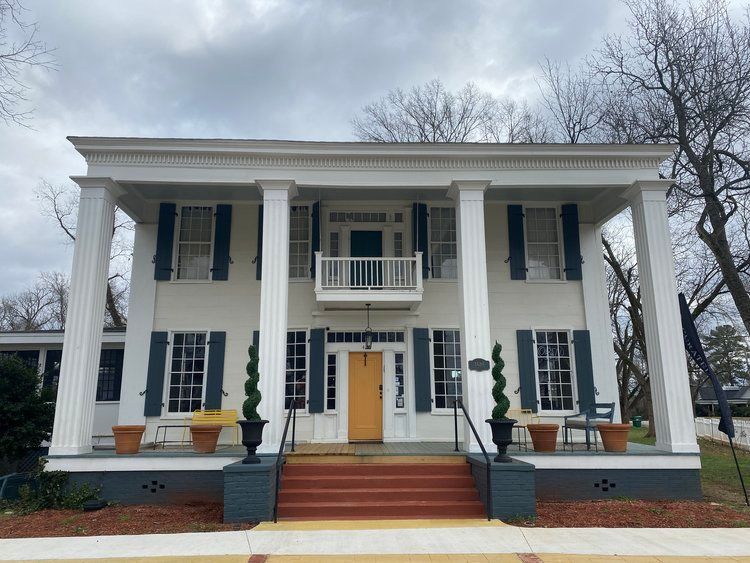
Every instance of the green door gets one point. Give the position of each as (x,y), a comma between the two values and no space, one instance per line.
(366,244)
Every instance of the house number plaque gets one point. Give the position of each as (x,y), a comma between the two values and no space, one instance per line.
(479,364)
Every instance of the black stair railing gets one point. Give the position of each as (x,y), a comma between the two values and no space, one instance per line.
(456,404)
(280,458)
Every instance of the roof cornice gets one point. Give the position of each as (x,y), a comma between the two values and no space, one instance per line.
(226,153)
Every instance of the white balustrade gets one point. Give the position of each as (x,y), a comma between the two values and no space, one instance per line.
(394,274)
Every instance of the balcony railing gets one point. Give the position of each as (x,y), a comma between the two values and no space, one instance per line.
(382,274)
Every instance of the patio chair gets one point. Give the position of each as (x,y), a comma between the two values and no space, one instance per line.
(598,412)
(524,418)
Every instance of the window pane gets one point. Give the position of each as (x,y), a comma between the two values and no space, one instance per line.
(186,374)
(554,371)
(296,369)
(446,360)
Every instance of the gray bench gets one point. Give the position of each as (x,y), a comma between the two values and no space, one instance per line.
(588,421)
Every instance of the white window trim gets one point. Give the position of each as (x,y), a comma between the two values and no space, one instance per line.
(430,277)
(558,211)
(176,242)
(306,410)
(443,411)
(573,374)
(309,205)
(165,414)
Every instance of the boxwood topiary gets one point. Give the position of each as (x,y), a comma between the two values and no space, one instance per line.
(502,404)
(249,407)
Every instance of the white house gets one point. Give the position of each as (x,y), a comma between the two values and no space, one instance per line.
(451,247)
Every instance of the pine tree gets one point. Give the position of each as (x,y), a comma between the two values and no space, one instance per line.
(728,354)
(498,390)
(249,407)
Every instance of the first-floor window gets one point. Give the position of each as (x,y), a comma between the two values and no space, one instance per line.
(110,375)
(296,369)
(554,370)
(331,382)
(399,380)
(187,372)
(446,363)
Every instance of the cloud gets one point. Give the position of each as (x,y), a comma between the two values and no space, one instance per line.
(267,69)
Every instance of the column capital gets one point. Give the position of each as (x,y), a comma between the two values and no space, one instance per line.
(99,187)
(277,187)
(463,187)
(649,190)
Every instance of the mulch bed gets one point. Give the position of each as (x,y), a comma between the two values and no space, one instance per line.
(636,514)
(117,520)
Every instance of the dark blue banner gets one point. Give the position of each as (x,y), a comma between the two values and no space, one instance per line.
(695,349)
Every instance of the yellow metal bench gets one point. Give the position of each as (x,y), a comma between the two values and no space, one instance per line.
(227,418)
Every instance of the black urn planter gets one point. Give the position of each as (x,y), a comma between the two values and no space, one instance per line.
(252,437)
(502,437)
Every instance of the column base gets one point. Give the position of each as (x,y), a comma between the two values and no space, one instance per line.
(70,450)
(689,448)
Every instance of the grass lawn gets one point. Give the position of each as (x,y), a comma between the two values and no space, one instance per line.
(718,474)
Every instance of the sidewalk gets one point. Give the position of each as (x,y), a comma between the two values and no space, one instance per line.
(390,541)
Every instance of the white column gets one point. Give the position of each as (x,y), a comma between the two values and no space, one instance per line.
(596,305)
(274,291)
(474,305)
(141,303)
(670,390)
(76,394)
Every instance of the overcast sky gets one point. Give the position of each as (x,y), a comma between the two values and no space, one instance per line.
(269,69)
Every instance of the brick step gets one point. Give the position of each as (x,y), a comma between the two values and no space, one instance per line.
(382,509)
(369,495)
(377,481)
(409,469)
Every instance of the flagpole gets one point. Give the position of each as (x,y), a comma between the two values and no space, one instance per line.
(742,481)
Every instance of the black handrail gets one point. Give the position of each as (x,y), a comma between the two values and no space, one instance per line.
(292,414)
(458,403)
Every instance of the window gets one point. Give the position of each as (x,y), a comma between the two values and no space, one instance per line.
(29,357)
(299,242)
(110,375)
(194,243)
(333,244)
(446,363)
(331,382)
(51,377)
(543,243)
(399,380)
(296,369)
(187,372)
(554,370)
(443,246)
(398,244)
(349,337)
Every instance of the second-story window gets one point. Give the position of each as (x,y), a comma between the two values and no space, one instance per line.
(299,242)
(543,243)
(194,242)
(443,245)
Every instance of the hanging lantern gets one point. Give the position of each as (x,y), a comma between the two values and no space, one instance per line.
(368,330)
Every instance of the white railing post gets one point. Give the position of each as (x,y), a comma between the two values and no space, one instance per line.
(418,270)
(319,270)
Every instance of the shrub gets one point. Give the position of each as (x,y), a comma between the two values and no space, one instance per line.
(250,406)
(502,404)
(50,489)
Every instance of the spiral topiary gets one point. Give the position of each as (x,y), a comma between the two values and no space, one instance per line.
(502,404)
(251,387)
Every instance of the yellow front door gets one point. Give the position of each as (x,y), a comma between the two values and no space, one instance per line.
(365,396)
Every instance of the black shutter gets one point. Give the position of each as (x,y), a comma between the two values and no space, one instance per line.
(222,235)
(155,376)
(571,242)
(422,379)
(516,248)
(317,391)
(526,371)
(315,242)
(419,234)
(584,369)
(256,339)
(215,370)
(259,255)
(164,242)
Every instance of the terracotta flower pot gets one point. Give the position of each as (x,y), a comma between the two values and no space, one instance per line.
(543,436)
(205,437)
(614,436)
(128,438)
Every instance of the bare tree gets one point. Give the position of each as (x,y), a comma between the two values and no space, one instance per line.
(515,122)
(27,309)
(686,73)
(20,49)
(60,203)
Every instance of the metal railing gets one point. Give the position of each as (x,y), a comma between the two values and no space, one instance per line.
(280,459)
(456,404)
(394,274)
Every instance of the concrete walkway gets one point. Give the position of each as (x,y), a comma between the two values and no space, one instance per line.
(395,540)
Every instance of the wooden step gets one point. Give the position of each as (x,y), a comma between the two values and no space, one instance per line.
(382,509)
(376,481)
(376,494)
(304,458)
(407,469)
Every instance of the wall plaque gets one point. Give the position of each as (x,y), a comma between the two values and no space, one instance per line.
(479,364)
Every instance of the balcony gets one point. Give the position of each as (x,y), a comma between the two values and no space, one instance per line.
(394,283)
